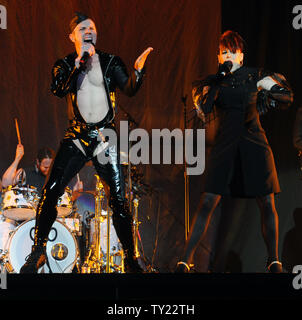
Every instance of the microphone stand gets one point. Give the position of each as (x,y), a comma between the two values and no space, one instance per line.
(133,201)
(186,178)
(131,122)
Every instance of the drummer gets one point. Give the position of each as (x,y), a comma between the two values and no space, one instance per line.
(34,176)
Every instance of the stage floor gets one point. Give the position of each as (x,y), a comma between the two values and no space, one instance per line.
(181,288)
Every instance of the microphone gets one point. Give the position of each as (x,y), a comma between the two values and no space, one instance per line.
(224,69)
(84,59)
(85,55)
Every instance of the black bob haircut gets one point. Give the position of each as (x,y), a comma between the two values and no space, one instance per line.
(233,41)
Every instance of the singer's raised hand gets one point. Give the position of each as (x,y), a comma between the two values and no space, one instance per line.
(140,61)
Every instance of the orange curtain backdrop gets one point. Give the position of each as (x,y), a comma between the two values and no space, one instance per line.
(183,34)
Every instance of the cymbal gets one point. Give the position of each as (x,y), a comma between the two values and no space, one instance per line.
(88,192)
(93,192)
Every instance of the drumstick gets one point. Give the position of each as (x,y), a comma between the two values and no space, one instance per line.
(78,177)
(17,129)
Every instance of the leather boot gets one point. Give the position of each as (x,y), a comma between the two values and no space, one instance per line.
(35,260)
(275,267)
(182,267)
(131,264)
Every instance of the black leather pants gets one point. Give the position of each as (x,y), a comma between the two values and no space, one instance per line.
(67,163)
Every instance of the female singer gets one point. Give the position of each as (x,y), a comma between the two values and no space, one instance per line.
(241,162)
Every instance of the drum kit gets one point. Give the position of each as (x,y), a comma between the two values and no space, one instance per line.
(81,240)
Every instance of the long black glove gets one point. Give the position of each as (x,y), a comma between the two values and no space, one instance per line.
(277,96)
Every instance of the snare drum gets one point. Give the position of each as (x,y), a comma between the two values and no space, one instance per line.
(20,203)
(61,248)
(64,206)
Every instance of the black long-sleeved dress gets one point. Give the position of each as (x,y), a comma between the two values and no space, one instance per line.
(241,162)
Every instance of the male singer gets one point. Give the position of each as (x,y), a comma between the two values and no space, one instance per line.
(87,78)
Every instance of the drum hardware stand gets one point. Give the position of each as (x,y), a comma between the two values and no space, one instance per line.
(186,178)
(93,261)
(129,186)
(78,263)
(2,260)
(131,122)
(109,259)
(99,196)
(132,209)
(136,224)
(108,242)
(86,265)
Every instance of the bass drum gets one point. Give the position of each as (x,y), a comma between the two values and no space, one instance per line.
(7,226)
(61,249)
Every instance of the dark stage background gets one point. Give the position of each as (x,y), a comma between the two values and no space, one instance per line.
(184,35)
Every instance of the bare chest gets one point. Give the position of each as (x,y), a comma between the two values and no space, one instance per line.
(92,77)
